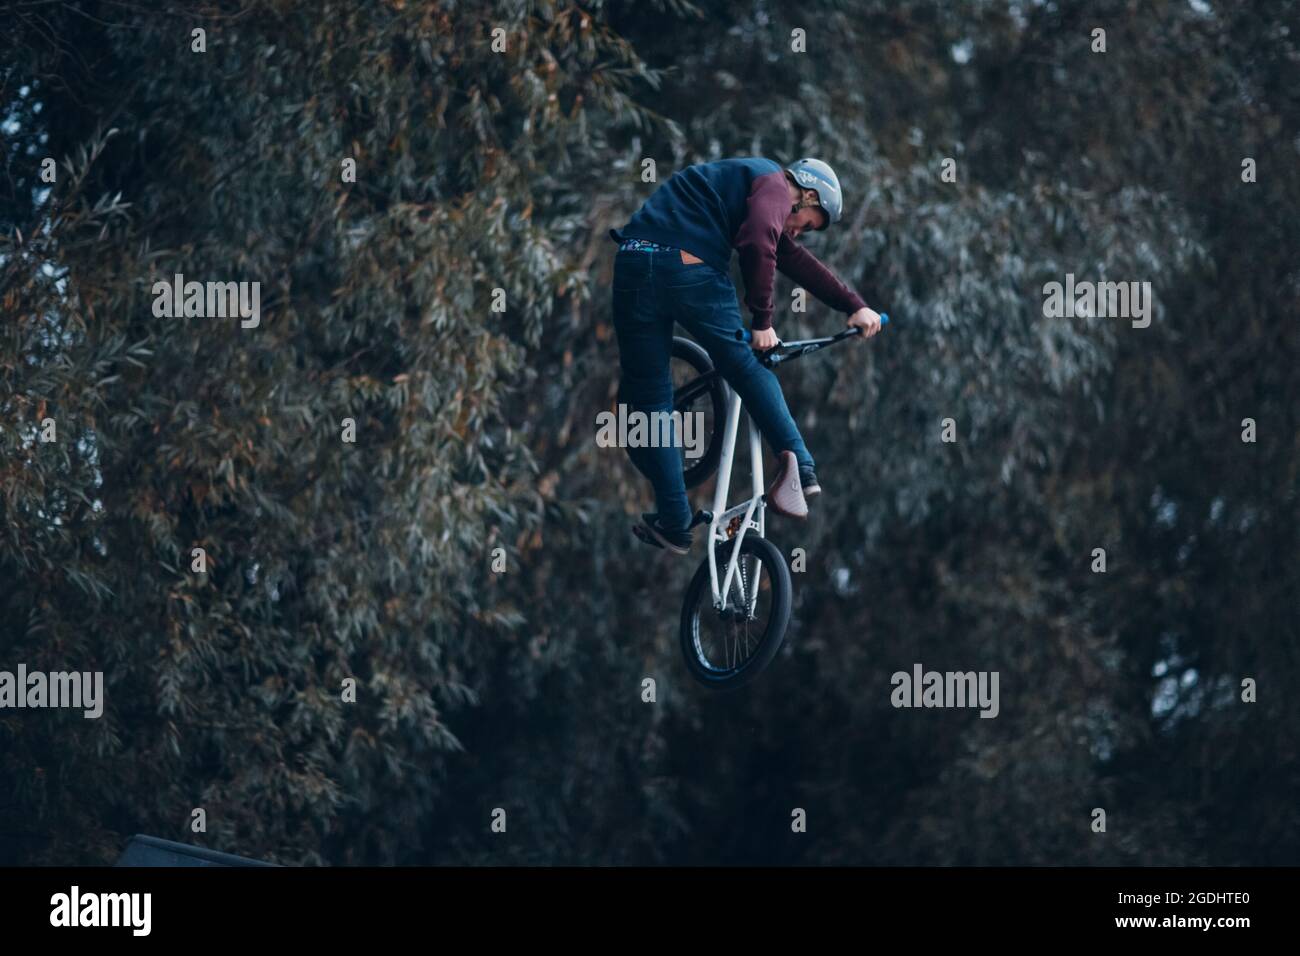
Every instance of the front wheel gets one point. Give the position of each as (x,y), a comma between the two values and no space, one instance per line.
(726,649)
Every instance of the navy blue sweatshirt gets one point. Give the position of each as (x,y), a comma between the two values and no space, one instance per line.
(710,209)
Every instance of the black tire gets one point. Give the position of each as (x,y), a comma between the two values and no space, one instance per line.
(705,391)
(698,610)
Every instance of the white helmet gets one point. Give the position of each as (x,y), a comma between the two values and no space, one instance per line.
(816,175)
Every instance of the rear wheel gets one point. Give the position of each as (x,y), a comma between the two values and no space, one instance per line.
(727,649)
(699,390)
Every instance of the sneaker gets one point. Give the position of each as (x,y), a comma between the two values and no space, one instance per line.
(785,494)
(808,478)
(653,533)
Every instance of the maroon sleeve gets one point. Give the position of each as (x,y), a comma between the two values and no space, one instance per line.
(804,268)
(756,241)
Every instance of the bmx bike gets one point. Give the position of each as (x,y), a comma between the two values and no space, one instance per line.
(737,605)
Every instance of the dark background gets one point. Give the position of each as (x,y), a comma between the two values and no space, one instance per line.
(475,431)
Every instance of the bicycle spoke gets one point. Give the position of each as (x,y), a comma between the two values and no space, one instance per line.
(727,639)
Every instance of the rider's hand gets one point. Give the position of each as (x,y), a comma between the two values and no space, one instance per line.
(867,321)
(765,339)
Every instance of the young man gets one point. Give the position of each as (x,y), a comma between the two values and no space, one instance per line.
(672,266)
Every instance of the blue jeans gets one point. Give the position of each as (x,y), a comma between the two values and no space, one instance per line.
(652,290)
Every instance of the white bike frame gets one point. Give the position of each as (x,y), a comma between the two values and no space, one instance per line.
(749,513)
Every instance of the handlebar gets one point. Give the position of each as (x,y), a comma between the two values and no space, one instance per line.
(745,335)
(784,351)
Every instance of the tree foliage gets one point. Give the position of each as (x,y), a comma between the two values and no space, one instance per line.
(479,171)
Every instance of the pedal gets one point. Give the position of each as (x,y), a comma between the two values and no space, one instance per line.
(701,517)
